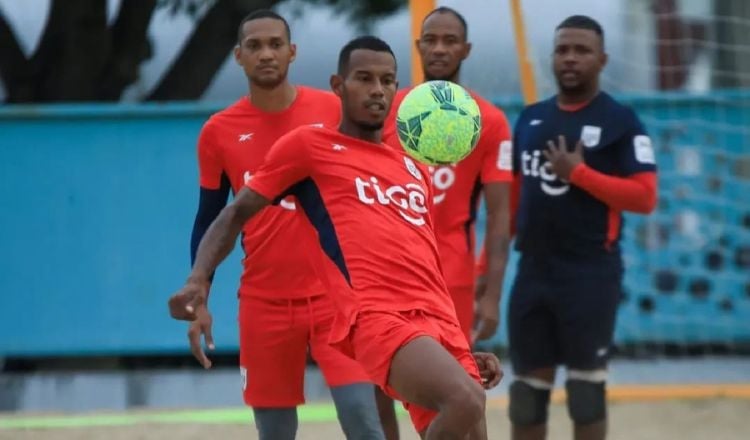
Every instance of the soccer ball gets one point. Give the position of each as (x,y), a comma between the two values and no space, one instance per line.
(438,123)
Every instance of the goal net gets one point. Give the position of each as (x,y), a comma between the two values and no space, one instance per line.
(685,68)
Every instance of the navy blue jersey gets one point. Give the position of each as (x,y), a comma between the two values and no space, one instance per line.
(554,216)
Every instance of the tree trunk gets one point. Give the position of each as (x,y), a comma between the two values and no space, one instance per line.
(677,44)
(15,69)
(72,51)
(732,56)
(206,50)
(78,58)
(129,48)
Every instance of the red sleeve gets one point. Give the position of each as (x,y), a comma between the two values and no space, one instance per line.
(209,158)
(285,164)
(636,193)
(497,160)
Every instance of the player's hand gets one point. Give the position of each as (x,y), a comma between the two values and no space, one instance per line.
(487,318)
(201,327)
(561,160)
(184,303)
(490,369)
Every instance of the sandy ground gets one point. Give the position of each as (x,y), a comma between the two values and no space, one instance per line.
(714,419)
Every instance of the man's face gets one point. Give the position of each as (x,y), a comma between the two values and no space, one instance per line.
(367,87)
(265,52)
(442,47)
(578,59)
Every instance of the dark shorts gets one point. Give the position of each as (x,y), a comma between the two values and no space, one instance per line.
(562,311)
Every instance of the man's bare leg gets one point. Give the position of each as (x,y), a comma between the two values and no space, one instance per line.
(424,373)
(387,412)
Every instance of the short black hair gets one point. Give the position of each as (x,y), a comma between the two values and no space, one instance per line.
(447,10)
(582,22)
(258,14)
(368,42)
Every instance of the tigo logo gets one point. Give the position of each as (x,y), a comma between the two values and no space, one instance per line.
(409,200)
(531,166)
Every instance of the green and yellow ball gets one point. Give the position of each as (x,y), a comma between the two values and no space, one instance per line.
(438,123)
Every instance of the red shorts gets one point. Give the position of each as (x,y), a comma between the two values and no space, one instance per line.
(377,336)
(463,301)
(274,338)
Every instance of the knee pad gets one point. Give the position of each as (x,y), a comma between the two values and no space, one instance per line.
(586,401)
(528,404)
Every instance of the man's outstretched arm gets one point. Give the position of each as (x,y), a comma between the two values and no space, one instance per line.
(213,249)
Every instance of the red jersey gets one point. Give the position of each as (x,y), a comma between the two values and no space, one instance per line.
(370,204)
(457,188)
(234,142)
